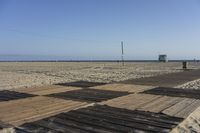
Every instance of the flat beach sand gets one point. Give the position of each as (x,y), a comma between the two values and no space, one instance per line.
(28,74)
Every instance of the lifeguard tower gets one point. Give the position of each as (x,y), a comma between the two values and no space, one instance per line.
(162,58)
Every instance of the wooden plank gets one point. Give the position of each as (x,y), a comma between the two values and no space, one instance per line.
(57,127)
(104,119)
(167,80)
(4,125)
(36,110)
(6,106)
(45,90)
(82,84)
(25,103)
(83,126)
(161,104)
(175,92)
(34,128)
(29,109)
(190,124)
(174,106)
(32,89)
(131,114)
(38,116)
(124,87)
(109,121)
(6,95)
(174,110)
(189,109)
(114,116)
(89,95)
(132,101)
(43,114)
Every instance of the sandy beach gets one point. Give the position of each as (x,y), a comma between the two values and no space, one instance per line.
(190,85)
(28,74)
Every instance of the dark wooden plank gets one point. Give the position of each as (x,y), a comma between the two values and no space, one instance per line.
(104,119)
(175,92)
(52,126)
(61,126)
(89,95)
(35,128)
(167,80)
(82,84)
(153,116)
(6,95)
(83,127)
(4,125)
(18,130)
(133,119)
(111,119)
(95,123)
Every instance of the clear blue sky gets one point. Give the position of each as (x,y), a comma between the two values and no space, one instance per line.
(93,29)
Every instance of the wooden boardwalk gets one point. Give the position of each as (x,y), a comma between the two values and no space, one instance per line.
(104,119)
(38,113)
(6,95)
(167,80)
(29,109)
(89,95)
(173,106)
(131,106)
(123,87)
(46,90)
(175,92)
(82,84)
(4,125)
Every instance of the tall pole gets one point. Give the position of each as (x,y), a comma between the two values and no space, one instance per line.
(122,46)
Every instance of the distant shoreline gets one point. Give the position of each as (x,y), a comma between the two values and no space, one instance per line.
(95,60)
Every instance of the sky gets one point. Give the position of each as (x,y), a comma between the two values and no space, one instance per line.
(94,29)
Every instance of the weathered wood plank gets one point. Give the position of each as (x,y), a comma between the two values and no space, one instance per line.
(105,119)
(35,108)
(174,110)
(167,80)
(189,109)
(175,92)
(6,95)
(161,104)
(132,101)
(82,84)
(120,118)
(137,113)
(45,90)
(89,95)
(124,87)
(89,126)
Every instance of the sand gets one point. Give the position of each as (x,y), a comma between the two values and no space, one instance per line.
(190,85)
(190,124)
(24,74)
